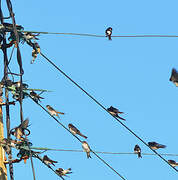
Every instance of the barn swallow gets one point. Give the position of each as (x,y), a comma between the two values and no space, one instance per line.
(174,77)
(53,111)
(34,55)
(5,145)
(137,150)
(30,36)
(108,32)
(9,27)
(155,145)
(86,148)
(35,51)
(35,96)
(115,112)
(19,130)
(36,46)
(75,131)
(63,172)
(173,163)
(48,161)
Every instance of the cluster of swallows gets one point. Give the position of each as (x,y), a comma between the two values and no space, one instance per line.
(154,146)
(28,37)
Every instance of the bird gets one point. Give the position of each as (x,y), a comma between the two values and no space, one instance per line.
(115,112)
(19,130)
(63,172)
(155,145)
(137,150)
(75,131)
(35,51)
(173,163)
(53,111)
(35,96)
(174,76)
(86,148)
(108,32)
(29,35)
(6,146)
(48,161)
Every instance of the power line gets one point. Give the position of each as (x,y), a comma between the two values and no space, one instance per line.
(19,60)
(78,139)
(97,102)
(103,152)
(103,36)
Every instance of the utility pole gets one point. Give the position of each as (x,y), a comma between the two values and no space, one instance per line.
(3,170)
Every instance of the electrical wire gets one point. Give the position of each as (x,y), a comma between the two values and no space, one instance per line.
(47,165)
(19,60)
(98,103)
(4,49)
(103,152)
(103,36)
(78,139)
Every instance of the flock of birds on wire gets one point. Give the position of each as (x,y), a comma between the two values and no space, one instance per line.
(21,132)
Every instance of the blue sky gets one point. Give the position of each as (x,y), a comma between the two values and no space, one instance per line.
(131,74)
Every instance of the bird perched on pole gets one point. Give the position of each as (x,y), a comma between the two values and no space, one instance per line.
(48,161)
(137,150)
(155,145)
(86,148)
(108,32)
(173,163)
(174,77)
(75,131)
(35,96)
(115,112)
(19,131)
(63,172)
(53,111)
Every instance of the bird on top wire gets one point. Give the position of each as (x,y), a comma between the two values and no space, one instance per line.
(155,145)
(75,131)
(114,111)
(53,111)
(48,161)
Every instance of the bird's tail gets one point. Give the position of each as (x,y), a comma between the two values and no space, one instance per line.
(60,113)
(139,155)
(161,146)
(120,117)
(83,135)
(88,155)
(53,163)
(109,37)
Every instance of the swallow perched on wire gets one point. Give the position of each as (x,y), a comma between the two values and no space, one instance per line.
(86,148)
(174,77)
(115,112)
(75,131)
(35,96)
(19,131)
(63,172)
(30,36)
(53,111)
(36,50)
(173,163)
(48,161)
(155,145)
(137,150)
(108,32)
